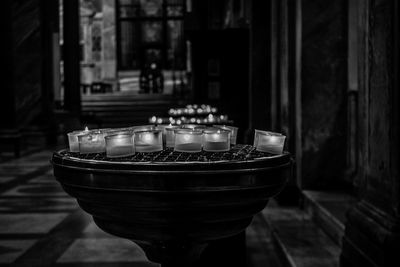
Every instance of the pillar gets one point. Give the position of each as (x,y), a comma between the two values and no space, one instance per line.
(372,233)
(71,56)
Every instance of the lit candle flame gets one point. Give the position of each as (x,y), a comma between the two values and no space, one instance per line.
(148,138)
(186,137)
(273,139)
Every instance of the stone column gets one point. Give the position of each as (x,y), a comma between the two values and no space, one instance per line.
(109,45)
(7,99)
(72,94)
(262,82)
(372,234)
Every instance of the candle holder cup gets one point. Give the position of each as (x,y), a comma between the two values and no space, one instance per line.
(119,145)
(187,140)
(141,128)
(73,139)
(93,142)
(232,129)
(170,135)
(199,127)
(148,141)
(120,131)
(270,142)
(216,140)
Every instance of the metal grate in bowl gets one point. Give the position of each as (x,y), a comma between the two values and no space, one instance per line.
(236,153)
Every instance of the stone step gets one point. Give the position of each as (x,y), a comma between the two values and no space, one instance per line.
(298,240)
(328,211)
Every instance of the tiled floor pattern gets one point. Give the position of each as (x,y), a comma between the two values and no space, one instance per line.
(40,225)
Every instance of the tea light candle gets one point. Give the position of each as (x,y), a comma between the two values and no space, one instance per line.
(216,140)
(93,142)
(148,141)
(269,142)
(119,145)
(163,128)
(142,128)
(120,131)
(187,140)
(170,135)
(73,139)
(115,130)
(232,129)
(194,126)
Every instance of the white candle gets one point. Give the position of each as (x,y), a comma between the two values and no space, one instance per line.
(233,130)
(199,127)
(93,142)
(148,141)
(269,142)
(163,127)
(73,139)
(170,135)
(120,131)
(142,128)
(188,140)
(216,140)
(119,145)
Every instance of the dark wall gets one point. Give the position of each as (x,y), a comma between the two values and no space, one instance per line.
(22,55)
(7,102)
(262,73)
(324,88)
(28,56)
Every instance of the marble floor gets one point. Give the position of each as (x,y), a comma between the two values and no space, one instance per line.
(40,225)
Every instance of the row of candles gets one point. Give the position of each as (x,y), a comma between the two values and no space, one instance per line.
(123,142)
(193,110)
(209,119)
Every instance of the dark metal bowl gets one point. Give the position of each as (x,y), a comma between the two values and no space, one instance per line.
(172,208)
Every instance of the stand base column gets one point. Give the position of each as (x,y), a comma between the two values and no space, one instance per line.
(230,251)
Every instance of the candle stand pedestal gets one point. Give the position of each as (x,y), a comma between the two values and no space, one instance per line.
(172,204)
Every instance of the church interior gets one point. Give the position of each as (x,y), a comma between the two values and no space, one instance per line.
(320,76)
